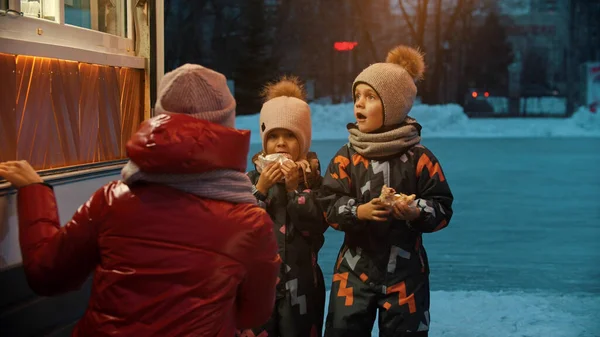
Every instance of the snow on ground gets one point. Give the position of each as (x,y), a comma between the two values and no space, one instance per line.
(501,314)
(447,121)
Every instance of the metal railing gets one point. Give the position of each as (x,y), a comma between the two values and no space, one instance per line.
(70,174)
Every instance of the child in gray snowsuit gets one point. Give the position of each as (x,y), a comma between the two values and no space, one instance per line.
(382,264)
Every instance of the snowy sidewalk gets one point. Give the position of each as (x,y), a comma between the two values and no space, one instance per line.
(447,121)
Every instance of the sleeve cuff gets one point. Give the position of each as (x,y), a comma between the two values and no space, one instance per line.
(259,196)
(35,184)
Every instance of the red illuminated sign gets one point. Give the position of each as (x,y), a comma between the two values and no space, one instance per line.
(344,45)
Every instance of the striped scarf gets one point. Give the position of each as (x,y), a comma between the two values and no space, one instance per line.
(226,185)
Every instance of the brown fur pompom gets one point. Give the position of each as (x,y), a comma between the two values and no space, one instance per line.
(410,59)
(286,86)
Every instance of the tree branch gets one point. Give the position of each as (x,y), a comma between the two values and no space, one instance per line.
(358,10)
(413,32)
(422,22)
(460,7)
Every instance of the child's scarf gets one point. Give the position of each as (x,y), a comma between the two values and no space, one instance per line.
(385,144)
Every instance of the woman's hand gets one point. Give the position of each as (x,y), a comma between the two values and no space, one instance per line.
(19,173)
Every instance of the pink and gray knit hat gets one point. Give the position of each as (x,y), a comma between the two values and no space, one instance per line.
(199,92)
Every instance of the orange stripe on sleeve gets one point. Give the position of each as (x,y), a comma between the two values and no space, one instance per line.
(358,159)
(425,162)
(342,162)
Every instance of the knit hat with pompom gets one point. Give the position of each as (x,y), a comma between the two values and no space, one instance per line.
(285,107)
(394,81)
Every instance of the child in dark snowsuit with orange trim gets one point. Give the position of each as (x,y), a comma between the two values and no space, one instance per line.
(382,265)
(287,190)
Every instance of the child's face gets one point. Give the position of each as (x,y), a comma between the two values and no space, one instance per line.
(283,141)
(368,108)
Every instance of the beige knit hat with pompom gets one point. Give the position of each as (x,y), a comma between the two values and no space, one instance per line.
(394,81)
(285,107)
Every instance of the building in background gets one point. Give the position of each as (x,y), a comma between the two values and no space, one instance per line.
(538,33)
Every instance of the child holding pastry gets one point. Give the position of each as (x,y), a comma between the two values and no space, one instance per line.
(286,175)
(384,190)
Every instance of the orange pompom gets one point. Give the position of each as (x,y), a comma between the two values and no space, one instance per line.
(289,86)
(410,59)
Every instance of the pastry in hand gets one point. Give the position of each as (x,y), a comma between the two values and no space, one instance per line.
(408,199)
(261,161)
(389,196)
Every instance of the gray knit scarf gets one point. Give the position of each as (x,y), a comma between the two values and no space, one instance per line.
(387,143)
(226,185)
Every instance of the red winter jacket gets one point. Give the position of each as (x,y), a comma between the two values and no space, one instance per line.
(164,262)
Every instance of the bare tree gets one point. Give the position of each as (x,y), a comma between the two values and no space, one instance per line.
(417,14)
(361,11)
(180,21)
(201,31)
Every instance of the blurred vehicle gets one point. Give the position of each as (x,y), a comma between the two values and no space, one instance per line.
(477,103)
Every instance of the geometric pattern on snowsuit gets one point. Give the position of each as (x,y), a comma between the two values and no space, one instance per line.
(299,227)
(382,266)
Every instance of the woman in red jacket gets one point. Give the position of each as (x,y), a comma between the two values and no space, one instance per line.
(179,246)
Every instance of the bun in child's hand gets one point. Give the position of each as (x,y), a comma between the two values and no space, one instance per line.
(389,197)
(408,199)
(263,161)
